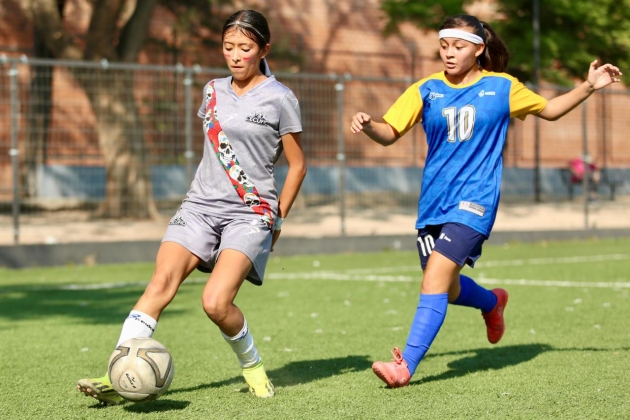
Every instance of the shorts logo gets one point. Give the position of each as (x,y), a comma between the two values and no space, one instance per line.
(258,118)
(252,228)
(178,221)
(434,95)
(475,208)
(446,238)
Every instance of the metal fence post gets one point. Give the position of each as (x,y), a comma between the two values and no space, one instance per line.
(341,155)
(536,40)
(14,151)
(189,154)
(587,170)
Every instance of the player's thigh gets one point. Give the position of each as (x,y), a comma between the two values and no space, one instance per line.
(228,275)
(439,274)
(174,263)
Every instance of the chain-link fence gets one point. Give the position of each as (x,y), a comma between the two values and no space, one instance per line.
(123,141)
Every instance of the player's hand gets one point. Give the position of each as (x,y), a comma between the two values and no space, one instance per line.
(602,76)
(274,238)
(359,121)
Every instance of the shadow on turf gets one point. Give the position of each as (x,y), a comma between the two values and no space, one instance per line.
(481,359)
(160,405)
(296,373)
(102,306)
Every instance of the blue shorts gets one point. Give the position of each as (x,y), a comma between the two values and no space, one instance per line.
(457,242)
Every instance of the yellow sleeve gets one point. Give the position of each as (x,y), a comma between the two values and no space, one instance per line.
(523,101)
(406,111)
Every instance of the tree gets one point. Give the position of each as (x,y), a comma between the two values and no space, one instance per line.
(117,32)
(572,33)
(128,183)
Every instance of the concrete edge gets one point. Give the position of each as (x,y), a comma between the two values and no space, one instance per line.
(80,253)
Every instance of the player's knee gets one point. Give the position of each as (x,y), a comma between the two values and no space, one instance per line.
(215,308)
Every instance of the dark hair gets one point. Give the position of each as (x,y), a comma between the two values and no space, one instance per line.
(495,56)
(252,24)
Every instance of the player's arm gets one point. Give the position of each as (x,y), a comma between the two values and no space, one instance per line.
(598,77)
(380,132)
(292,145)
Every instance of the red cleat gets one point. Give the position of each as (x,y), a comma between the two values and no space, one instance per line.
(395,374)
(494,319)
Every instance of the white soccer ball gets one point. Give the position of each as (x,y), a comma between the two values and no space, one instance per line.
(141,369)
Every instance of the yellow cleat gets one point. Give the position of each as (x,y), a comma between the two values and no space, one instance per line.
(101,389)
(259,383)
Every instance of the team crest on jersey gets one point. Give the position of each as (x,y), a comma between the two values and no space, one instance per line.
(258,118)
(434,95)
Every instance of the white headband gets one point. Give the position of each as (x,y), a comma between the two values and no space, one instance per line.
(458,33)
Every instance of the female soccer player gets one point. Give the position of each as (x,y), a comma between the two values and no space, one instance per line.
(465,112)
(232,215)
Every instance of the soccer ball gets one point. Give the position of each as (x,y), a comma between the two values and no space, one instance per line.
(140,369)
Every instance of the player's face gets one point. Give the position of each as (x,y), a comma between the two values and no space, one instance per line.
(459,56)
(242,54)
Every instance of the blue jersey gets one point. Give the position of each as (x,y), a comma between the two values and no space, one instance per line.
(466,127)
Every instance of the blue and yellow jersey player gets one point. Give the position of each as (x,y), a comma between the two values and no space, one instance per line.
(465,112)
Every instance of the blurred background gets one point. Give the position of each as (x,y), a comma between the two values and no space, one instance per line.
(99,137)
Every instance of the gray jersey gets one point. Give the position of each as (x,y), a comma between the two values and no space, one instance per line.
(253,124)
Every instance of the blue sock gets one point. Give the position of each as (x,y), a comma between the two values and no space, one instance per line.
(474,295)
(425,326)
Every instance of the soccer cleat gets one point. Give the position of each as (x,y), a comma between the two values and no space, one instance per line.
(395,374)
(259,383)
(101,389)
(495,325)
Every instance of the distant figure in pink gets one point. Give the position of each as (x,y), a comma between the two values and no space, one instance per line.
(577,167)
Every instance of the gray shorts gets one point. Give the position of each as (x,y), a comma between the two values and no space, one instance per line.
(206,236)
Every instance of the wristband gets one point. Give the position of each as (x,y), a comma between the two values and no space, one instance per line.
(277,224)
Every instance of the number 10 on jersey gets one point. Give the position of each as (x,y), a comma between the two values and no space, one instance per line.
(461,123)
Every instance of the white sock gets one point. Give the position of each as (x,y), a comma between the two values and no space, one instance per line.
(137,325)
(244,348)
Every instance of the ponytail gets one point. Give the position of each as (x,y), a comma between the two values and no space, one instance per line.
(495,56)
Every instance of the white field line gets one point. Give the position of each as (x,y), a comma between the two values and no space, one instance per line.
(409,279)
(505,263)
(371,276)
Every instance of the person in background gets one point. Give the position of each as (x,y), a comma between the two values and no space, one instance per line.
(465,111)
(578,167)
(232,215)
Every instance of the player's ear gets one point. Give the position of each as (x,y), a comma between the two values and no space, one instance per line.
(264,51)
(479,49)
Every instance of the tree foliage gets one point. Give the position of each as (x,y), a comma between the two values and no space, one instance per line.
(572,33)
(117,32)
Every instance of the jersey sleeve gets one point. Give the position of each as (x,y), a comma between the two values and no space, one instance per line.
(524,102)
(405,112)
(201,113)
(290,119)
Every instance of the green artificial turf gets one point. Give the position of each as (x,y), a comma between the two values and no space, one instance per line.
(319,322)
